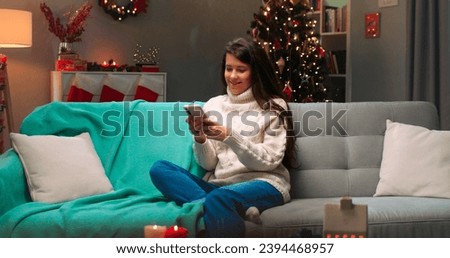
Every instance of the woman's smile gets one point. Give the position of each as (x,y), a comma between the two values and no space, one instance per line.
(237,74)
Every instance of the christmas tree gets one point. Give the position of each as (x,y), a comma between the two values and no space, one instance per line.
(286,30)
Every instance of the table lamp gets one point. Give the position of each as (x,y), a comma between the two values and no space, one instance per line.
(15,32)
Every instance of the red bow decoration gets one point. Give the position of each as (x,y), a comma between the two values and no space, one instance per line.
(141,6)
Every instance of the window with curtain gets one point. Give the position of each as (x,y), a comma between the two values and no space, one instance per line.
(428,55)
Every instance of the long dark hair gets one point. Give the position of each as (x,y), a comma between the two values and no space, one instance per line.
(265,87)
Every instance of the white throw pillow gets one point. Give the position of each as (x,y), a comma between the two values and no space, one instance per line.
(60,168)
(416,162)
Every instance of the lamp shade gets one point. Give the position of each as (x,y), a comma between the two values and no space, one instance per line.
(15,28)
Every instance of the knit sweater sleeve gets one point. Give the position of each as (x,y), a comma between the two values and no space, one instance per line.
(205,155)
(264,156)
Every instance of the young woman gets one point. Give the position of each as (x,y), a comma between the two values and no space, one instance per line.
(243,142)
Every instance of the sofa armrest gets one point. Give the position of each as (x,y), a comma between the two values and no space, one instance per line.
(13,185)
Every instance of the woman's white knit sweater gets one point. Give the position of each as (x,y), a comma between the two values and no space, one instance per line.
(253,151)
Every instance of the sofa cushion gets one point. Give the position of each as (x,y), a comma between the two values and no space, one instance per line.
(389,216)
(60,168)
(416,162)
(340,145)
(359,118)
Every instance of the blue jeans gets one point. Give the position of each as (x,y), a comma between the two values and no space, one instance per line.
(224,207)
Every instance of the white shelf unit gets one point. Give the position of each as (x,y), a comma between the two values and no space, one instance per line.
(336,41)
(5,110)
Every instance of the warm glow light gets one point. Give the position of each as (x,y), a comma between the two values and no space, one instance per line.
(15,28)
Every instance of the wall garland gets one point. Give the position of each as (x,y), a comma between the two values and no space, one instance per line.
(121,11)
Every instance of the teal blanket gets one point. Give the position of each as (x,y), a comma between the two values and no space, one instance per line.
(128,137)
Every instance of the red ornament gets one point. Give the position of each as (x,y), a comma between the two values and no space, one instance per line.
(308,99)
(254,33)
(141,6)
(321,51)
(3,58)
(288,91)
(2,66)
(277,44)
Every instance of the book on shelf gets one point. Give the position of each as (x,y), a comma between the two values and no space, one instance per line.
(330,19)
(344,17)
(336,61)
(335,19)
(315,4)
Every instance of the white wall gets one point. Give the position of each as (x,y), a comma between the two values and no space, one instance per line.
(378,64)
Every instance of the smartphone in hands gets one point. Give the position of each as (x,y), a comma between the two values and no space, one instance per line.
(194,110)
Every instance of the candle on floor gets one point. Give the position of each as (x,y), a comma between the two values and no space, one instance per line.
(176,232)
(154,231)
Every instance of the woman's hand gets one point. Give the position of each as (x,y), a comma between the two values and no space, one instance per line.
(202,128)
(214,130)
(196,128)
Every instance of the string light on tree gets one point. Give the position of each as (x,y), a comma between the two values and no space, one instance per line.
(287,32)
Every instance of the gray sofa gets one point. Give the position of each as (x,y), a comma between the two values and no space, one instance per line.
(340,148)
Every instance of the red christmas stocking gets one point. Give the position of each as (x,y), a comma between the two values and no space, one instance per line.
(79,95)
(146,94)
(110,94)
